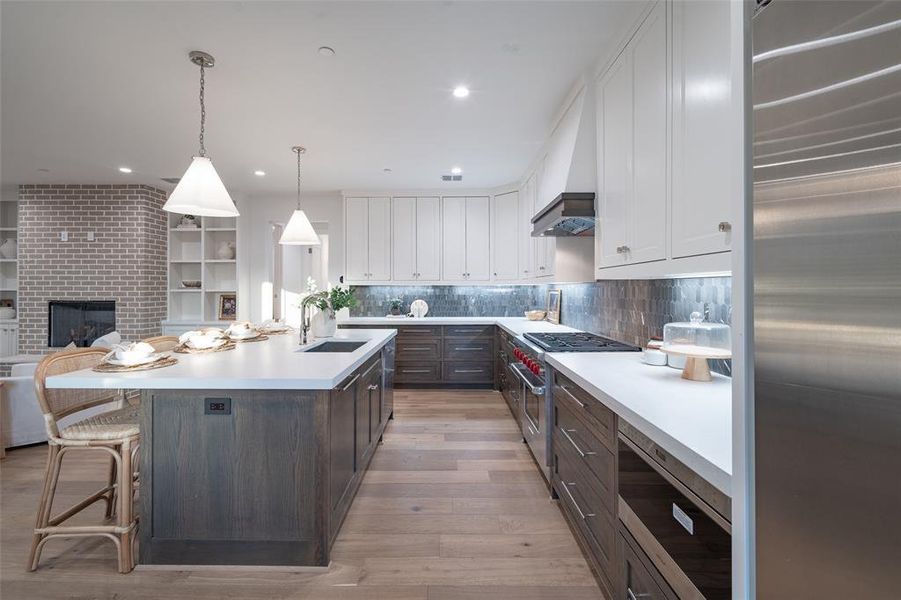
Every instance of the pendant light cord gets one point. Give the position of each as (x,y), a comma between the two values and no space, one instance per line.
(202,110)
(298,180)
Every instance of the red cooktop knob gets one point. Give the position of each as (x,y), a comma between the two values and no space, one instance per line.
(536,369)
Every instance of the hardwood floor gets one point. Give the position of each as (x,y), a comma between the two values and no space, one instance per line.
(452,508)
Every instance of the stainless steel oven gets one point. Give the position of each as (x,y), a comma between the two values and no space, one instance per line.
(678,519)
(528,377)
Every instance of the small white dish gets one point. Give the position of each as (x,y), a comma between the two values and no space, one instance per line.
(136,362)
(653,357)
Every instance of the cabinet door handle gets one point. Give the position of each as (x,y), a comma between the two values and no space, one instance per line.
(350,383)
(573,500)
(570,394)
(541,268)
(724,226)
(622,249)
(573,442)
(372,387)
(634,596)
(532,429)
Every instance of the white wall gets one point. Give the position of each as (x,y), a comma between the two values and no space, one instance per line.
(258,213)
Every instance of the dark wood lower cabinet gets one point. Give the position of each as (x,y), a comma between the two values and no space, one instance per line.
(268,479)
(448,356)
(638,578)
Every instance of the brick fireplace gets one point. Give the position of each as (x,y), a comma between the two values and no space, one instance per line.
(125,262)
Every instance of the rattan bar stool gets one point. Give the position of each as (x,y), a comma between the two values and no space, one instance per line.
(162,343)
(115,432)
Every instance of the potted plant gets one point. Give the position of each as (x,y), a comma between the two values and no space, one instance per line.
(396,305)
(324,323)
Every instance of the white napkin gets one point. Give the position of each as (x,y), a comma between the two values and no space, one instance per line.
(202,340)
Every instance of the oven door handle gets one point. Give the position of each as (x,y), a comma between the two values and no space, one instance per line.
(537,390)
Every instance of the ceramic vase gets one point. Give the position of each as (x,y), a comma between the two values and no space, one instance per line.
(324,324)
(8,249)
(225,251)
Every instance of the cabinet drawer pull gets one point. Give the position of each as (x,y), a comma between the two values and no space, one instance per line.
(350,383)
(416,370)
(570,394)
(573,500)
(468,330)
(372,387)
(532,429)
(418,349)
(469,370)
(476,349)
(573,442)
(724,226)
(634,596)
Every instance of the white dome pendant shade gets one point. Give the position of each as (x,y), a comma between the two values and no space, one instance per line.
(299,231)
(200,191)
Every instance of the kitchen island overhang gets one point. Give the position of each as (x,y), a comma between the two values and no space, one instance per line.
(252,456)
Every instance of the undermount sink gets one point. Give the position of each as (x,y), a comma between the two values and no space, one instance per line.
(336,347)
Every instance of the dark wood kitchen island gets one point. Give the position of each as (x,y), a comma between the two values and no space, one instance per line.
(253,456)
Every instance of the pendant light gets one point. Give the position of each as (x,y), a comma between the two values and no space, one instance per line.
(299,231)
(200,191)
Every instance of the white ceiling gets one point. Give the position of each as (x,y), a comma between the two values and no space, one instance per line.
(91,86)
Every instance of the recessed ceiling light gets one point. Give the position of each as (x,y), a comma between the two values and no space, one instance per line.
(387,170)
(461,91)
(456,171)
(43,170)
(259,173)
(124,170)
(326,51)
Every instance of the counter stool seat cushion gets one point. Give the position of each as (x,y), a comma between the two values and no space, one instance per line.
(112,425)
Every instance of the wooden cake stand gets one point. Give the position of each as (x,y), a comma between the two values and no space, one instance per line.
(696,367)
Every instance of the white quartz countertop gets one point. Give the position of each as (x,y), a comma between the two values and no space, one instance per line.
(276,364)
(692,420)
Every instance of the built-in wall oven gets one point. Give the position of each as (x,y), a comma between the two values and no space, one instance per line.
(678,521)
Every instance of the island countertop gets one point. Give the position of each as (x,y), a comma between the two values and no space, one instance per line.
(274,364)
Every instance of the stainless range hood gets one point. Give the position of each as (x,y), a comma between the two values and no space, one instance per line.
(570,214)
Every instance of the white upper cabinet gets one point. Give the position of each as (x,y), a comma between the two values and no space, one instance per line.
(526,210)
(614,96)
(465,231)
(416,239)
(505,236)
(356,235)
(478,238)
(453,236)
(706,165)
(367,239)
(403,246)
(633,108)
(668,146)
(428,239)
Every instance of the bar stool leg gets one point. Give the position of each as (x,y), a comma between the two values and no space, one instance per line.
(111,498)
(51,478)
(126,495)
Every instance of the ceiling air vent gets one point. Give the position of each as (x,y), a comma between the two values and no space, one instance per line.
(172,180)
(451,178)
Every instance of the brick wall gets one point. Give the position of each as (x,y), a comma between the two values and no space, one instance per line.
(126,262)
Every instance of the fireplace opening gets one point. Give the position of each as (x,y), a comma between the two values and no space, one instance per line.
(80,322)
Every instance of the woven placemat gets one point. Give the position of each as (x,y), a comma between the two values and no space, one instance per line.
(229,345)
(259,338)
(276,331)
(167,361)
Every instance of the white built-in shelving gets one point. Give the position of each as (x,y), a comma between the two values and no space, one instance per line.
(193,256)
(9,273)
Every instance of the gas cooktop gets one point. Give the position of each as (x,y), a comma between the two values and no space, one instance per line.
(577,342)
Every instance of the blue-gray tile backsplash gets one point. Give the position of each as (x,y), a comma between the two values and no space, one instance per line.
(631,311)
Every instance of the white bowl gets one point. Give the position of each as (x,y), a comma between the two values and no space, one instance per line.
(7,313)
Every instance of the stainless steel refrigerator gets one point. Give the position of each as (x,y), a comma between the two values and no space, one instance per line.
(827,299)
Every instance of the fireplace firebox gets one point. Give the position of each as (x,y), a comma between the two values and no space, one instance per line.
(81,321)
